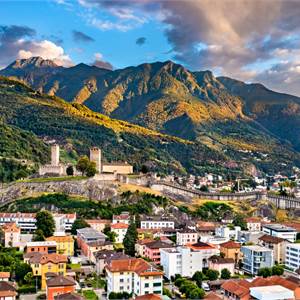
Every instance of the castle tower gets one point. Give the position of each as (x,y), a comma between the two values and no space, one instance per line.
(55,155)
(95,155)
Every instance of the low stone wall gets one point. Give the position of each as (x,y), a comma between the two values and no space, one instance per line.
(88,188)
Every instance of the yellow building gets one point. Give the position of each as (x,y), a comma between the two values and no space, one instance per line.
(232,250)
(65,244)
(41,264)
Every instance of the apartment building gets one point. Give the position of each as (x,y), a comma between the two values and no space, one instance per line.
(124,217)
(12,235)
(46,247)
(120,230)
(156,222)
(186,260)
(292,256)
(228,233)
(281,231)
(186,236)
(98,224)
(65,244)
(231,250)
(253,224)
(256,257)
(133,275)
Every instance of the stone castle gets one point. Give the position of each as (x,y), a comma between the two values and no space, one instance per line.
(57,168)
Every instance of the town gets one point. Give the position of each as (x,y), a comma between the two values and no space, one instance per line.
(157,249)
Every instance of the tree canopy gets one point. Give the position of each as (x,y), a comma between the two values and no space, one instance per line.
(45,223)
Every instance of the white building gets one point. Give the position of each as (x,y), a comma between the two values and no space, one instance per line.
(281,231)
(186,260)
(124,217)
(120,229)
(253,224)
(133,275)
(186,236)
(27,221)
(228,233)
(274,292)
(156,223)
(255,258)
(292,256)
(12,235)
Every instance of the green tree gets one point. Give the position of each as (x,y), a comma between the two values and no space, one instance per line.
(144,169)
(167,292)
(204,188)
(21,270)
(198,277)
(78,224)
(83,164)
(45,223)
(91,169)
(239,220)
(277,270)
(130,238)
(70,170)
(197,293)
(265,272)
(212,274)
(110,234)
(28,278)
(225,274)
(38,236)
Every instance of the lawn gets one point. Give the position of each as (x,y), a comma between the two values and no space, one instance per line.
(90,295)
(73,266)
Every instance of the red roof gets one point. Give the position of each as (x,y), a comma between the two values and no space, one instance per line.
(253,220)
(148,297)
(119,226)
(230,244)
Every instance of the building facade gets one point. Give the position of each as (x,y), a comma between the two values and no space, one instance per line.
(157,223)
(292,256)
(12,235)
(65,244)
(120,230)
(186,236)
(281,231)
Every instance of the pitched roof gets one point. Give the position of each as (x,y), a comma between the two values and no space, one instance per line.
(119,226)
(109,255)
(148,297)
(60,239)
(41,258)
(253,220)
(137,265)
(68,296)
(98,221)
(236,288)
(221,260)
(271,239)
(157,244)
(4,274)
(200,246)
(230,244)
(11,227)
(60,281)
(7,289)
(212,296)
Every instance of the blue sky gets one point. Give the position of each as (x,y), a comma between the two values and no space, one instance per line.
(254,41)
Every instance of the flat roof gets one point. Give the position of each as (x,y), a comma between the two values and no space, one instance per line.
(279,227)
(256,248)
(42,243)
(274,292)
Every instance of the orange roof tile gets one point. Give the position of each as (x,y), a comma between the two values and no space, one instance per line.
(119,226)
(230,244)
(11,227)
(148,297)
(61,239)
(4,274)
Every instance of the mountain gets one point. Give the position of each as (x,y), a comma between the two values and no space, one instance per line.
(245,123)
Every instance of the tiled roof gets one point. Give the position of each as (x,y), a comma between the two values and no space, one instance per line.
(271,239)
(137,265)
(119,226)
(253,220)
(148,297)
(230,244)
(98,221)
(212,296)
(236,288)
(4,274)
(11,227)
(68,296)
(7,289)
(60,281)
(60,239)
(157,245)
(221,260)
(200,246)
(40,258)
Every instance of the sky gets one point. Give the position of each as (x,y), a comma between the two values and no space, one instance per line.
(249,40)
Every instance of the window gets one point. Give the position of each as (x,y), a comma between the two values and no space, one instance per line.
(157,284)
(121,280)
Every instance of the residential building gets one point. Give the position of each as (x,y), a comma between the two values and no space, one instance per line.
(99,224)
(281,231)
(12,235)
(246,236)
(124,217)
(120,230)
(271,288)
(292,256)
(276,244)
(103,257)
(256,257)
(4,276)
(186,236)
(91,247)
(133,275)
(152,250)
(231,250)
(156,222)
(68,296)
(186,260)
(228,232)
(41,247)
(140,246)
(59,285)
(8,291)
(27,221)
(65,244)
(42,264)
(149,233)
(206,228)
(253,224)
(219,263)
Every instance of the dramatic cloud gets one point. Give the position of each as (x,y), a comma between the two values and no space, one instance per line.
(19,42)
(140,41)
(100,63)
(238,38)
(79,36)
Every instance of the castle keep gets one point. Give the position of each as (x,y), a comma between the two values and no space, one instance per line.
(57,168)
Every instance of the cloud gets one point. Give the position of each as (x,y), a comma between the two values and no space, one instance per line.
(237,38)
(100,63)
(19,42)
(79,36)
(140,41)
